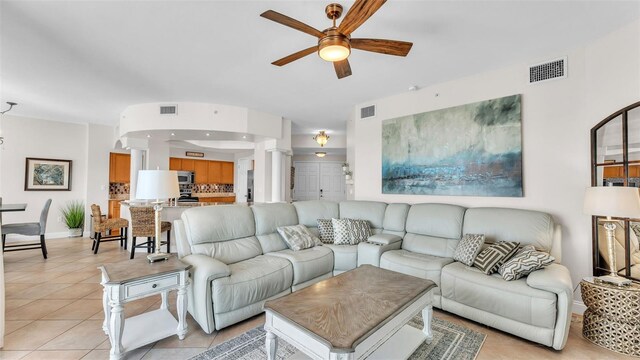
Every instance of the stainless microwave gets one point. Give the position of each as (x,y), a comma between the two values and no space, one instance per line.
(186,177)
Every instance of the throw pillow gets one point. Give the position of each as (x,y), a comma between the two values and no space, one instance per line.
(468,248)
(298,237)
(490,259)
(340,232)
(325,229)
(524,264)
(350,231)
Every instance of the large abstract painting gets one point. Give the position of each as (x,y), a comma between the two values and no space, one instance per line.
(473,149)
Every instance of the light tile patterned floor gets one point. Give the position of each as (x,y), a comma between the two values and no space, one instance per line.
(54,311)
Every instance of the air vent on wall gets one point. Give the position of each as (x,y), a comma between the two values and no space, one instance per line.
(168,109)
(368,112)
(549,70)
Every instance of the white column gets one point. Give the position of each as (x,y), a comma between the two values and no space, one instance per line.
(136,164)
(277,179)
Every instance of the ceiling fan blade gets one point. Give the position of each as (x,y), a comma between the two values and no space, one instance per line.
(389,47)
(295,56)
(343,69)
(358,14)
(292,23)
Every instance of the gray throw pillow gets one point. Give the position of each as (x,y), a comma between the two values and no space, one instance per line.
(468,248)
(490,259)
(350,231)
(524,264)
(298,237)
(325,230)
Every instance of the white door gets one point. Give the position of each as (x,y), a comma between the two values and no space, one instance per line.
(307,181)
(241,182)
(331,182)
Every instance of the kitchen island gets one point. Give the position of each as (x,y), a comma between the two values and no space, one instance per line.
(169,213)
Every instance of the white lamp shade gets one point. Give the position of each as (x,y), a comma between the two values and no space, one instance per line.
(616,201)
(157,184)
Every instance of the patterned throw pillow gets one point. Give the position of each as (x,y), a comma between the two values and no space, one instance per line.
(349,231)
(468,248)
(490,259)
(524,264)
(325,229)
(298,237)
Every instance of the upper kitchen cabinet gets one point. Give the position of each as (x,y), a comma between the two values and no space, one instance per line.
(201,168)
(226,173)
(175,164)
(214,172)
(188,165)
(119,167)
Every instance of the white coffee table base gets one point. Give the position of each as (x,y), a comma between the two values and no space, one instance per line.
(394,340)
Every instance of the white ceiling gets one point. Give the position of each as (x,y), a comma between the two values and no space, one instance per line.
(86,61)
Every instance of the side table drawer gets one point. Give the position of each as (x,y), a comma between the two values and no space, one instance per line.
(151,285)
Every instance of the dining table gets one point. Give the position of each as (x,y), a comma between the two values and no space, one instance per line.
(5,208)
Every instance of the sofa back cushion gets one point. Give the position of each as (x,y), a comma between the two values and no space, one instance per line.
(372,211)
(225,233)
(395,219)
(310,211)
(501,224)
(268,217)
(433,229)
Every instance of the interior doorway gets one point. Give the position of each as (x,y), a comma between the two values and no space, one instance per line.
(316,180)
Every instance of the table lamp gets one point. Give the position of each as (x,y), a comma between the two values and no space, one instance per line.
(610,201)
(157,185)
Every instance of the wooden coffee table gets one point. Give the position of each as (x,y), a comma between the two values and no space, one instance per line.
(357,314)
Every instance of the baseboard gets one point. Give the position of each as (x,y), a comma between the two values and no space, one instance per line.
(48,236)
(579,307)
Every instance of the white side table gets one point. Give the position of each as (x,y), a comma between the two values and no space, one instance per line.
(134,279)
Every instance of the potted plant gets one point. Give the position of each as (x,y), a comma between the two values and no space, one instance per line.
(73,214)
(347,175)
(345,167)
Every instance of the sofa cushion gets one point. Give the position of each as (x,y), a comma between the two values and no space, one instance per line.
(209,224)
(395,219)
(298,237)
(310,211)
(372,211)
(251,281)
(524,264)
(325,231)
(420,265)
(231,251)
(345,257)
(434,229)
(499,224)
(308,264)
(268,217)
(513,300)
(468,248)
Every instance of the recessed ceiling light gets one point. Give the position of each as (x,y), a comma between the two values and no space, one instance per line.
(244,136)
(148,135)
(208,134)
(173,134)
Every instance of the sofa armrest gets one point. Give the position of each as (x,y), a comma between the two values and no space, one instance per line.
(555,278)
(384,239)
(204,270)
(370,252)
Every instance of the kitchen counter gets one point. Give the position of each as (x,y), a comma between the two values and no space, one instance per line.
(180,204)
(208,195)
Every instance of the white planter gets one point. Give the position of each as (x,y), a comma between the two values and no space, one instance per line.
(75,232)
(347,177)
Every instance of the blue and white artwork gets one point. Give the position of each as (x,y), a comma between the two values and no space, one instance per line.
(473,150)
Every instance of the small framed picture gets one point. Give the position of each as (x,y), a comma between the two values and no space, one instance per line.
(47,175)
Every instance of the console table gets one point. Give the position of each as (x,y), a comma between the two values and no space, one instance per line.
(612,318)
(134,279)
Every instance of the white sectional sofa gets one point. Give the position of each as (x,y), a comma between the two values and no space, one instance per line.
(239,260)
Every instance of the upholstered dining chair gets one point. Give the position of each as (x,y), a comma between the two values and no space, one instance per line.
(101,226)
(143,225)
(29,229)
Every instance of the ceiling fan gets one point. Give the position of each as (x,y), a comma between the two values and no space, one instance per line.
(335,43)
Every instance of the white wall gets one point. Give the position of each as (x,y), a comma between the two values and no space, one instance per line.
(331,158)
(208,155)
(27,137)
(556,120)
(100,140)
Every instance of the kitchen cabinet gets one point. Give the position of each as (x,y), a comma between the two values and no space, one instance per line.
(613,172)
(119,167)
(114,209)
(201,168)
(188,165)
(634,171)
(223,199)
(175,164)
(227,173)
(214,172)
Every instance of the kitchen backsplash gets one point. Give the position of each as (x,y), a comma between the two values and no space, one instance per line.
(208,188)
(118,189)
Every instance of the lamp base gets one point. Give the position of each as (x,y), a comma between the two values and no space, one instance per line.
(157,257)
(614,280)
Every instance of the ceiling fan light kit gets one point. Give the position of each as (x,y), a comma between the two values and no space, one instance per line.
(335,43)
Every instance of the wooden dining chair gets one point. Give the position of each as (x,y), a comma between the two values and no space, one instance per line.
(143,225)
(101,226)
(28,229)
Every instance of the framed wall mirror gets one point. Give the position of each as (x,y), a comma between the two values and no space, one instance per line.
(615,161)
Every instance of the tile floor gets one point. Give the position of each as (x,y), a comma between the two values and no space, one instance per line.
(54,311)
